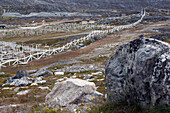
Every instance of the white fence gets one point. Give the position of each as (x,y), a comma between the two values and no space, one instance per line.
(36,54)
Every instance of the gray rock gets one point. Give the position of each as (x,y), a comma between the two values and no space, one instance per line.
(31,71)
(42,72)
(2,73)
(16,89)
(24,92)
(19,82)
(21,79)
(140,72)
(20,74)
(23,111)
(73,77)
(34,84)
(69,92)
(61,79)
(87,76)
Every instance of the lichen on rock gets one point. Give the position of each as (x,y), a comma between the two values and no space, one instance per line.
(140,72)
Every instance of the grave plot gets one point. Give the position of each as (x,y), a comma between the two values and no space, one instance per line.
(24,54)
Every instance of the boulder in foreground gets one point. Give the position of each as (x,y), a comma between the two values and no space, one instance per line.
(68,92)
(140,72)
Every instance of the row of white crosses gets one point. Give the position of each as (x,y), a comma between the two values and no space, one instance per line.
(35,54)
(53,27)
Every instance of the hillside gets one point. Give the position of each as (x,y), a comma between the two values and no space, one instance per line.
(25,6)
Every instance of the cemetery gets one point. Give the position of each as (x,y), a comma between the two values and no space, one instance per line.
(70,65)
(13,54)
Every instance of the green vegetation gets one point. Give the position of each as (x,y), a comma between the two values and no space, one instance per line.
(4,77)
(125,108)
(97,59)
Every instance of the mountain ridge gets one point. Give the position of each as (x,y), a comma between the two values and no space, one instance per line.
(25,6)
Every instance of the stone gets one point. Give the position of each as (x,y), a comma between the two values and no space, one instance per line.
(20,74)
(140,72)
(61,79)
(2,73)
(18,82)
(100,79)
(39,80)
(73,77)
(31,71)
(16,89)
(23,111)
(7,88)
(58,73)
(34,84)
(68,92)
(21,79)
(97,73)
(87,76)
(44,88)
(42,72)
(24,92)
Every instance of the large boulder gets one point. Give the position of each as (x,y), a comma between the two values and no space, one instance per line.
(140,72)
(68,92)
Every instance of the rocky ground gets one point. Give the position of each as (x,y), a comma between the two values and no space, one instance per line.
(27,89)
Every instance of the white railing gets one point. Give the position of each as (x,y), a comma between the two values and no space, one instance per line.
(36,54)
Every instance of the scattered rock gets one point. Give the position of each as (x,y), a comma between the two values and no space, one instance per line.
(16,89)
(58,73)
(23,111)
(140,72)
(39,80)
(73,77)
(31,71)
(7,88)
(68,92)
(42,72)
(100,79)
(97,73)
(18,82)
(20,74)
(20,79)
(24,92)
(2,73)
(45,88)
(61,79)
(87,76)
(79,68)
(34,84)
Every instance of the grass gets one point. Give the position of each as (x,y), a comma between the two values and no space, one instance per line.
(4,77)
(97,59)
(125,108)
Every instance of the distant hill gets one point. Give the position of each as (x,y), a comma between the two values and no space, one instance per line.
(27,6)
